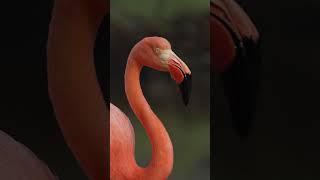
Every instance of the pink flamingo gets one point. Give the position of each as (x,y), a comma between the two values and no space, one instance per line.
(235,47)
(156,53)
(230,27)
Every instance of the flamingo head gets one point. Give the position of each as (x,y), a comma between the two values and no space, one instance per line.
(156,53)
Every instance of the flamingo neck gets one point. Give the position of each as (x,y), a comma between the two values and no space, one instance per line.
(162,150)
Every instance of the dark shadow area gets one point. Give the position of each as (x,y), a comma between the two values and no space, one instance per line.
(284,139)
(25,110)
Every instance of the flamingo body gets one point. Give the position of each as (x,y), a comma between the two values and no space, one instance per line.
(17,162)
(122,144)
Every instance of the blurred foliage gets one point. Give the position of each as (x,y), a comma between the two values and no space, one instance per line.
(185,25)
(156,9)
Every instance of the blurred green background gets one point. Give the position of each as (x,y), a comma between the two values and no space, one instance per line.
(185,24)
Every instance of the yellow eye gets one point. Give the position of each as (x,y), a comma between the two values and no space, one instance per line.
(157,50)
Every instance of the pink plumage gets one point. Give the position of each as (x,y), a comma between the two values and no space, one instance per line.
(17,162)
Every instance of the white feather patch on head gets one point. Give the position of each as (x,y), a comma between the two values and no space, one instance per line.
(165,54)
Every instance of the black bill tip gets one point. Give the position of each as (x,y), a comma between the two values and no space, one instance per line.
(185,88)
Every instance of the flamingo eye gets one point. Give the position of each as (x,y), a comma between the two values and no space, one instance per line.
(157,50)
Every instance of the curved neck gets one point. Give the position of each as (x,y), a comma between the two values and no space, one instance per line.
(74,90)
(162,150)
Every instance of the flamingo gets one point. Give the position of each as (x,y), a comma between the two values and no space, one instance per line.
(235,53)
(17,162)
(156,53)
(75,95)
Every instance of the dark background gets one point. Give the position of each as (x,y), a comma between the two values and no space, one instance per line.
(284,143)
(25,110)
